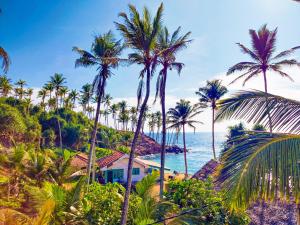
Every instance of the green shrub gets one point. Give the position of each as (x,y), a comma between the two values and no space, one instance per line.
(192,194)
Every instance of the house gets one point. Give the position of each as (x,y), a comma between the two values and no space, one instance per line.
(115,167)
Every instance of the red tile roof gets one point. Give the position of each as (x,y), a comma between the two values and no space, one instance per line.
(105,161)
(80,160)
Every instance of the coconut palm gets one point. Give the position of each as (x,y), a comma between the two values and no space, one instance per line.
(140,34)
(151,123)
(107,100)
(5,85)
(133,117)
(262,54)
(180,117)
(208,97)
(114,110)
(20,91)
(270,163)
(62,93)
(73,95)
(43,93)
(58,81)
(105,53)
(106,113)
(158,116)
(168,46)
(49,87)
(124,118)
(29,93)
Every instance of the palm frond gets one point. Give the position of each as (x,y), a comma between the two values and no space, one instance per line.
(286,53)
(251,106)
(261,166)
(5,58)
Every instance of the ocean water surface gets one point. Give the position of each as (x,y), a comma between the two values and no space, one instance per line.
(199,151)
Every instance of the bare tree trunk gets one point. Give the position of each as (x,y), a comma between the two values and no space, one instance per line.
(184,150)
(133,146)
(213,132)
(163,141)
(92,156)
(267,102)
(59,132)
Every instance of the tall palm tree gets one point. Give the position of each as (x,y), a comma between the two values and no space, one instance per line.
(43,93)
(58,81)
(107,100)
(73,95)
(105,53)
(5,85)
(86,96)
(262,54)
(29,93)
(270,163)
(20,89)
(133,117)
(49,87)
(158,116)
(208,97)
(181,116)
(62,93)
(140,34)
(151,124)
(114,110)
(168,46)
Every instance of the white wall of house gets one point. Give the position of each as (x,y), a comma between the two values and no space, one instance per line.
(123,164)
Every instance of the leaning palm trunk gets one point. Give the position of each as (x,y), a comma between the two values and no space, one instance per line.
(184,150)
(92,153)
(213,132)
(163,141)
(133,146)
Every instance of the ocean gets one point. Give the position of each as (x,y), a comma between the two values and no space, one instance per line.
(199,151)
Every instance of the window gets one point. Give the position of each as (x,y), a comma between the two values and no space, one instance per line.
(136,171)
(118,174)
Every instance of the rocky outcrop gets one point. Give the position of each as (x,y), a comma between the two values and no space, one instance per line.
(147,145)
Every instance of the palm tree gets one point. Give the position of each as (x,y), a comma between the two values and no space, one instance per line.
(5,59)
(49,87)
(73,95)
(168,46)
(114,110)
(140,34)
(105,53)
(158,116)
(269,166)
(58,81)
(209,95)
(106,113)
(29,93)
(133,117)
(20,90)
(151,124)
(107,100)
(5,85)
(43,93)
(262,54)
(62,93)
(181,116)
(124,118)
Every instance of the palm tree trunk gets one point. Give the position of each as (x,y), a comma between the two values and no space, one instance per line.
(267,101)
(163,141)
(92,156)
(184,150)
(213,132)
(298,214)
(133,146)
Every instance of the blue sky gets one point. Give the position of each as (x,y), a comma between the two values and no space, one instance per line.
(39,36)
